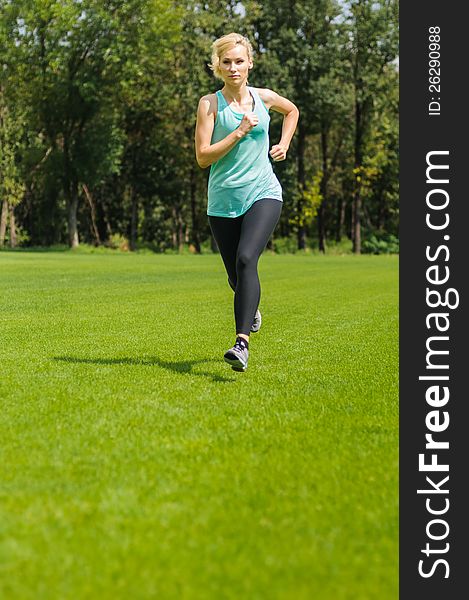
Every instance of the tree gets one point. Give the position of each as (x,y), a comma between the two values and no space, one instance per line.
(11,185)
(380,172)
(374,43)
(296,46)
(77,51)
(12,128)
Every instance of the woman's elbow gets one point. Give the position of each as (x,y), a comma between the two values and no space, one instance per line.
(202,164)
(202,161)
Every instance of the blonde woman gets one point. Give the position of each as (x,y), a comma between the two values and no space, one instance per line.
(244,195)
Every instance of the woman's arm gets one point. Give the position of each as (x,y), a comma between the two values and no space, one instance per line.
(205,152)
(291,114)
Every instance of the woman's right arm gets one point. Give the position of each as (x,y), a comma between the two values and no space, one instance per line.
(205,152)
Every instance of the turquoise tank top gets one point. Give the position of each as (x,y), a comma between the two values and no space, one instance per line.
(245,174)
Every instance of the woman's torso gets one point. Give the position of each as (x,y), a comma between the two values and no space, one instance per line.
(245,173)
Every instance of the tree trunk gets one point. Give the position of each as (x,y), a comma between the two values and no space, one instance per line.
(93,214)
(301,185)
(3,222)
(381,212)
(357,196)
(323,191)
(178,230)
(180,234)
(13,239)
(28,200)
(133,219)
(340,219)
(321,228)
(71,196)
(357,208)
(195,231)
(105,216)
(72,203)
(174,235)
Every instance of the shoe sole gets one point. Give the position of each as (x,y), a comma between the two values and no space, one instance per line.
(235,364)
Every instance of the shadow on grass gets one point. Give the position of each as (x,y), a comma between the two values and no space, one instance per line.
(183,366)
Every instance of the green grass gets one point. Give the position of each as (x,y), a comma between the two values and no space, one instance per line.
(135,464)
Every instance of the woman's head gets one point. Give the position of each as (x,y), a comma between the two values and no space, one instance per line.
(222,46)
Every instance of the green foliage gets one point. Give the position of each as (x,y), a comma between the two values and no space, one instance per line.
(311,199)
(381,244)
(104,94)
(118,242)
(22,236)
(285,245)
(11,133)
(11,189)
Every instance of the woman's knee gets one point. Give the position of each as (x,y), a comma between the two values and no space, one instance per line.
(246,259)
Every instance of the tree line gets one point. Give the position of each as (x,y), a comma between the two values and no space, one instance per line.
(98,102)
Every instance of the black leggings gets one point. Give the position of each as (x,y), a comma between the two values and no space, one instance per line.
(241,241)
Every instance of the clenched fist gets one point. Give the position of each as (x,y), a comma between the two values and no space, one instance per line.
(278,152)
(249,121)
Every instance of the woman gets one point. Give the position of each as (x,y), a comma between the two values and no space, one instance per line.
(244,196)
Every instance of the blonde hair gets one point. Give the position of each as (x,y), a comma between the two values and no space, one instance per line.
(225,43)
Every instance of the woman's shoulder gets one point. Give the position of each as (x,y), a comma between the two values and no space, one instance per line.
(209,101)
(267,96)
(209,97)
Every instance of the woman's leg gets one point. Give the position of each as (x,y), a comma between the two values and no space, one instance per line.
(226,232)
(257,226)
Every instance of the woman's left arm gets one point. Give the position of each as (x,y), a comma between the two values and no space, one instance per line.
(291,113)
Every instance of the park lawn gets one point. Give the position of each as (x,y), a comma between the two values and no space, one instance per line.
(135,464)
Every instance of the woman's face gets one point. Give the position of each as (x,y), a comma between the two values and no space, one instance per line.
(235,65)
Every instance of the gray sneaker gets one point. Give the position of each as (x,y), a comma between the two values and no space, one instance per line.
(256,325)
(237,356)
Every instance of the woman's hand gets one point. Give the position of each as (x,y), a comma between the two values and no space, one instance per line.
(249,121)
(278,152)
(207,153)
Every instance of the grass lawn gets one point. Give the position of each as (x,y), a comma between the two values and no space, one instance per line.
(135,464)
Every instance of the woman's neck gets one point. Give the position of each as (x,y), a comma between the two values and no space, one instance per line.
(236,94)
